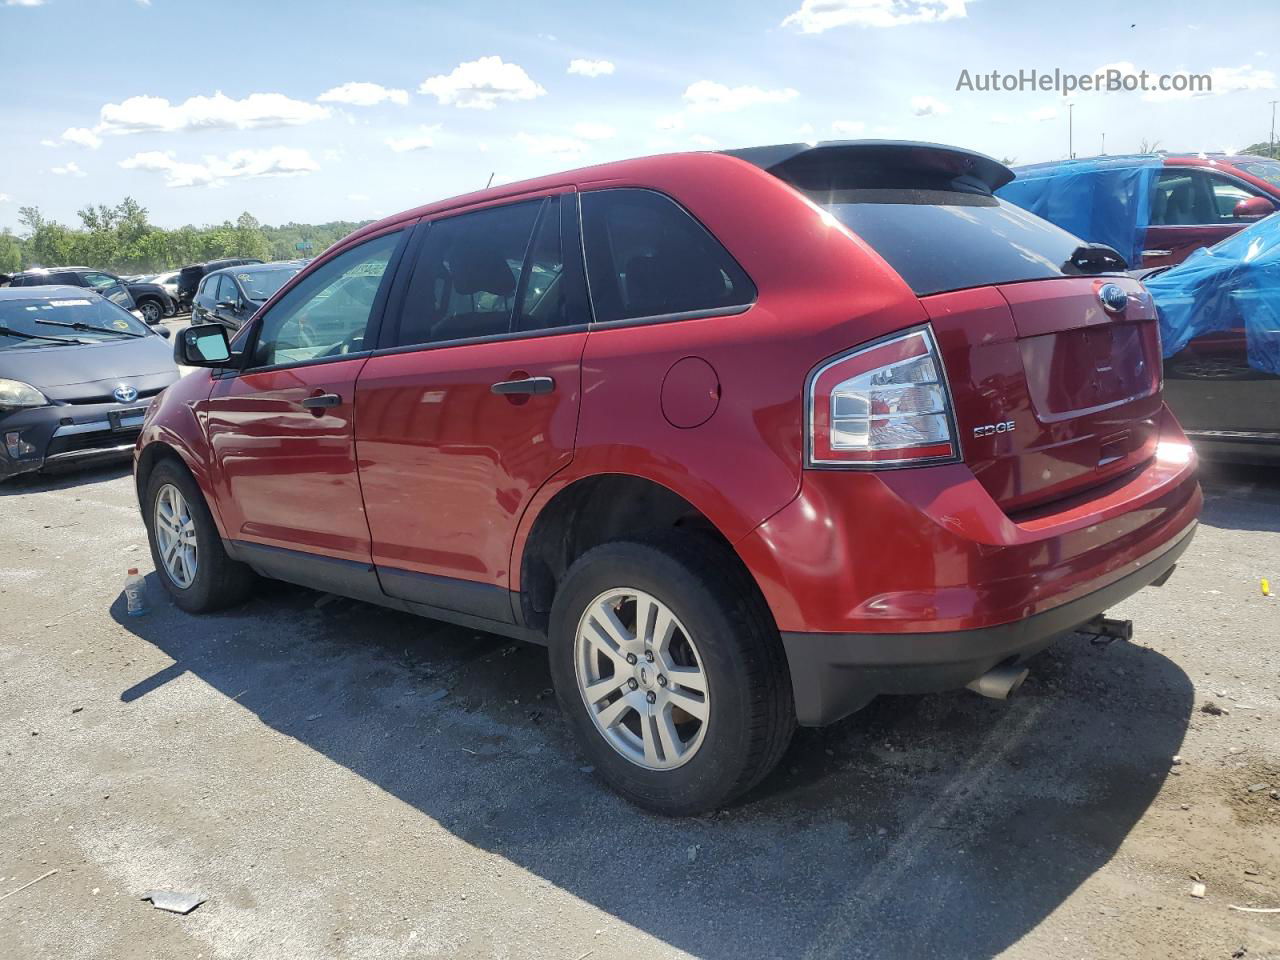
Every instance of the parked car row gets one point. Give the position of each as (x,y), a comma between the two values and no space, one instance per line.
(150,299)
(746,439)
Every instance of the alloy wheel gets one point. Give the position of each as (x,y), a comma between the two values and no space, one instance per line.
(641,678)
(175,530)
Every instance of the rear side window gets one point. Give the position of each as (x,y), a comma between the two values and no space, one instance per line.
(943,240)
(647,257)
(491,273)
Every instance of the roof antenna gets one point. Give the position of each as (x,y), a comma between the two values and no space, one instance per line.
(490,183)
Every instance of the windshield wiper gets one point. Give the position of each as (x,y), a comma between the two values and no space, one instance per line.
(8,332)
(78,325)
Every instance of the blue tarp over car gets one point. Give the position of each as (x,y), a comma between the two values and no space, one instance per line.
(1104,199)
(1233,284)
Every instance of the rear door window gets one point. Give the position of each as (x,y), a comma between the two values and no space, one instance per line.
(647,257)
(495,272)
(940,240)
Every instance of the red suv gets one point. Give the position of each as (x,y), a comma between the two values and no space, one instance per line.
(745,439)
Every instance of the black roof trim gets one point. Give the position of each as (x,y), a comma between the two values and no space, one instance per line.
(962,169)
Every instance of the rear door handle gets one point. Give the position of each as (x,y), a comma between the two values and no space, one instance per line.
(525,386)
(323,400)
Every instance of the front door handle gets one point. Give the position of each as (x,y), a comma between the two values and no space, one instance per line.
(322,400)
(526,386)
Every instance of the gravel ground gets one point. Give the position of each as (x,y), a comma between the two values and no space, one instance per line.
(344,781)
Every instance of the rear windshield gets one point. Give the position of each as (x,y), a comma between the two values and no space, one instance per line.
(941,240)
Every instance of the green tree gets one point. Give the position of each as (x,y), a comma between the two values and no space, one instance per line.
(10,252)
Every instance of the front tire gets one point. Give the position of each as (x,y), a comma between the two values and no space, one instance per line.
(185,545)
(670,670)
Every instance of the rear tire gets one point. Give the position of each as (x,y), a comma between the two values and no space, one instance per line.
(151,311)
(732,645)
(210,580)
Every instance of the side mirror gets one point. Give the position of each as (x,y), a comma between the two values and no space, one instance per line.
(203,345)
(1255,208)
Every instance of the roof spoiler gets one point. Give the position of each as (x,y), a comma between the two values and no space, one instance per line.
(871,164)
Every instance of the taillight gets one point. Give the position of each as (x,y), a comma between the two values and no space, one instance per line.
(883,405)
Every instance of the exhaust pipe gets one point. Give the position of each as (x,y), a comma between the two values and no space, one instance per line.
(999,683)
(1101,626)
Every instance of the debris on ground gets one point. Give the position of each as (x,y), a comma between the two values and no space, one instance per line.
(1259,787)
(175,901)
(693,852)
(314,716)
(1232,906)
(1197,891)
(435,695)
(1212,709)
(29,883)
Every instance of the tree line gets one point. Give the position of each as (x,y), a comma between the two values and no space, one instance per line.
(120,239)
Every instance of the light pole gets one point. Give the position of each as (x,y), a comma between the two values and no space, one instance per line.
(1071,151)
(1273,129)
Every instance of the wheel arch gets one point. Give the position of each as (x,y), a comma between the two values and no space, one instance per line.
(583,512)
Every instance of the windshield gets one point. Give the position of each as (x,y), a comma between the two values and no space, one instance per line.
(1268,170)
(261,284)
(23,316)
(939,240)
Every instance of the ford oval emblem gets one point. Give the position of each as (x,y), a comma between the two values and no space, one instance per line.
(1113,299)
(125,393)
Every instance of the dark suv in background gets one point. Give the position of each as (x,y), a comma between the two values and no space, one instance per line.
(189,277)
(232,295)
(149,299)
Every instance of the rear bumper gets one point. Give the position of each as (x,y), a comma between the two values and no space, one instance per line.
(880,569)
(833,675)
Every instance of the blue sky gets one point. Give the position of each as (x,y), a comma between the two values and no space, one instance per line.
(203,110)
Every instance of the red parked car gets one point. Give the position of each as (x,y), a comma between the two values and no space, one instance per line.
(746,439)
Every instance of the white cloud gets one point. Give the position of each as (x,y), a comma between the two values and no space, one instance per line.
(157,115)
(568,148)
(590,68)
(1225,80)
(1044,113)
(702,140)
(594,131)
(71,169)
(848,128)
(360,94)
(672,121)
(422,140)
(46,142)
(928,107)
(709,96)
(24,3)
(5,198)
(82,136)
(214,171)
(481,84)
(815,16)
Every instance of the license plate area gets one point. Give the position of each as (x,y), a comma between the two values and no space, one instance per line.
(126,419)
